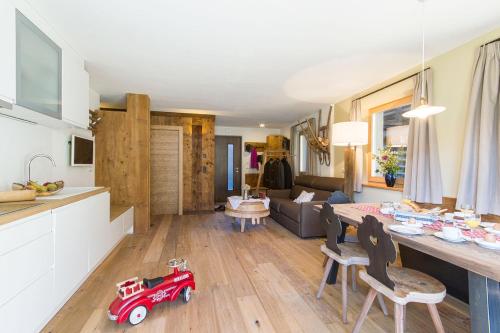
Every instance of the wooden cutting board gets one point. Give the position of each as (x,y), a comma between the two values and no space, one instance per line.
(21,195)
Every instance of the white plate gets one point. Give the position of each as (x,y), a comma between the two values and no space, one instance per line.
(492,246)
(413,225)
(440,235)
(492,230)
(402,229)
(487,224)
(387,211)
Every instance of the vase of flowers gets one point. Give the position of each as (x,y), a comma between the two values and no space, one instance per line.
(388,164)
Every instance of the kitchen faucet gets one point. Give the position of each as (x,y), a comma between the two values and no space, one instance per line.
(35,157)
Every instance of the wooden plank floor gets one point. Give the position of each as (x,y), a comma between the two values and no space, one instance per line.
(263,280)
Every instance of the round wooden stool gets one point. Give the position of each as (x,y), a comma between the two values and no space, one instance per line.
(254,210)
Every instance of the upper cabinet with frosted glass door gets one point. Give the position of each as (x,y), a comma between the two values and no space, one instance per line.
(7,54)
(41,74)
(38,69)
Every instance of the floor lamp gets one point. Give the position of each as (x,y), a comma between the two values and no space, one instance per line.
(349,134)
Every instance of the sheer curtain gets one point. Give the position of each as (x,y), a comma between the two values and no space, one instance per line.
(423,171)
(480,175)
(355,115)
(294,149)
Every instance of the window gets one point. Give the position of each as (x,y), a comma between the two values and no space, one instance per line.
(303,154)
(230,163)
(387,126)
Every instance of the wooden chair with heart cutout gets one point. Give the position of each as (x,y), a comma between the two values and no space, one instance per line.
(401,285)
(346,254)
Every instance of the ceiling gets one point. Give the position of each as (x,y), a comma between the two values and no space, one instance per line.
(259,61)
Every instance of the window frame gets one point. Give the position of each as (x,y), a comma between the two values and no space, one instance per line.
(381,108)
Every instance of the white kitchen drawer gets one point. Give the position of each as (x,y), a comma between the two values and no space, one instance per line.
(19,233)
(30,309)
(24,265)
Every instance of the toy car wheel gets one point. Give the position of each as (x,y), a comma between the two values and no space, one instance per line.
(186,294)
(137,315)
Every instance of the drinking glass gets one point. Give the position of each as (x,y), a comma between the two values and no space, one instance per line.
(472,220)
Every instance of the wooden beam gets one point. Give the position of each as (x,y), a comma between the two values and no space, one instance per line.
(122,157)
(349,172)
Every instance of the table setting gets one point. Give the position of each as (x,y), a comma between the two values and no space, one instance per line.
(463,226)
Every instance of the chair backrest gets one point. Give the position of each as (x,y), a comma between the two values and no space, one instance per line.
(380,248)
(332,226)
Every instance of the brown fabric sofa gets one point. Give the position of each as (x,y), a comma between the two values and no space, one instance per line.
(303,219)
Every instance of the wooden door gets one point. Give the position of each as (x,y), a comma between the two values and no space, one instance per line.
(227,167)
(166,170)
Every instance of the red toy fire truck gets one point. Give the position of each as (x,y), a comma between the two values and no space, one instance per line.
(135,298)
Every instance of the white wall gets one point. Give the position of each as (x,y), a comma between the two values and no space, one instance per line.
(19,141)
(247,134)
(452,73)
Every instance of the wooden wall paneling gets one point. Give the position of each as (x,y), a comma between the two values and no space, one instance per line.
(198,191)
(122,157)
(197,167)
(208,161)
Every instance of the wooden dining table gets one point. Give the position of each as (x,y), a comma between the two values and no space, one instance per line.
(483,265)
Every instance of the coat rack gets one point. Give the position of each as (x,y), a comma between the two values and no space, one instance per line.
(268,154)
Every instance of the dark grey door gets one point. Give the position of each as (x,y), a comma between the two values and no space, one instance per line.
(227,167)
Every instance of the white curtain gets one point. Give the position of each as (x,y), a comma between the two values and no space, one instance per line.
(480,175)
(423,171)
(294,148)
(355,115)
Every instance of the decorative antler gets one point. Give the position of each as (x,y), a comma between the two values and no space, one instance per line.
(318,139)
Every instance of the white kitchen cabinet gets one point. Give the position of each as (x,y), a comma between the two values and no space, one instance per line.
(71,232)
(46,257)
(26,282)
(100,240)
(7,51)
(75,89)
(73,86)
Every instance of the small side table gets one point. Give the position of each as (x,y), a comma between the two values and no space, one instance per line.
(247,209)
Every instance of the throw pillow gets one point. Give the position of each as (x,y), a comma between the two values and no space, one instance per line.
(304,197)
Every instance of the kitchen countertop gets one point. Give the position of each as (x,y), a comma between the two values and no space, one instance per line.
(41,205)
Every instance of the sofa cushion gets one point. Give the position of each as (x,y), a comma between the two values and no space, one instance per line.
(328,184)
(290,209)
(276,202)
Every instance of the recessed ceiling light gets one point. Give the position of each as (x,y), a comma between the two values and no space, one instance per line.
(262,125)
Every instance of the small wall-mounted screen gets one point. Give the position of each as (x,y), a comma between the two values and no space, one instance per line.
(82,151)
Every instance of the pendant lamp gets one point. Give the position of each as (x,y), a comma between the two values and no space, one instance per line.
(424,110)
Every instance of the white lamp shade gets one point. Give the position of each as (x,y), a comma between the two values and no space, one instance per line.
(350,133)
(423,111)
(397,136)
